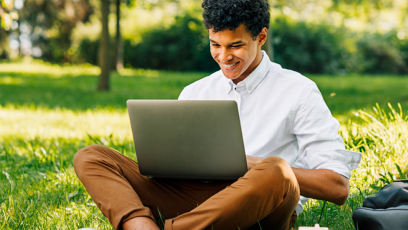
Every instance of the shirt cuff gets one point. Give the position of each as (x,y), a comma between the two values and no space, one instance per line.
(299,207)
(339,160)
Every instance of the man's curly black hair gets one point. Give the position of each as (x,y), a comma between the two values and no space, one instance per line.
(229,14)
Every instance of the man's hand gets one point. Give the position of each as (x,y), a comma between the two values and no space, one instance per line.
(253,161)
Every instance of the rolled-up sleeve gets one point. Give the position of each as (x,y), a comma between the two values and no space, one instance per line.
(320,145)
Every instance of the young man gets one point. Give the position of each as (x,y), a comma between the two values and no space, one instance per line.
(290,139)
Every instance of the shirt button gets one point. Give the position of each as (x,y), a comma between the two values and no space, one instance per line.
(250,88)
(236,96)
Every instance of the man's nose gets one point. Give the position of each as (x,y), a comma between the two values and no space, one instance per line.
(224,56)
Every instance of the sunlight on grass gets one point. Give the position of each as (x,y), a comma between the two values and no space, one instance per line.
(55,201)
(63,123)
(139,72)
(7,80)
(39,188)
(34,67)
(382,138)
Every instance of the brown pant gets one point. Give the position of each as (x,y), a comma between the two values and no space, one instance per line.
(266,195)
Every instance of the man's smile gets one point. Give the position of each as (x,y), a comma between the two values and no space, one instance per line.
(229,66)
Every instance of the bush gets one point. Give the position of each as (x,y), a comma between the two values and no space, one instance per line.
(88,52)
(299,46)
(183,46)
(325,49)
(380,54)
(308,48)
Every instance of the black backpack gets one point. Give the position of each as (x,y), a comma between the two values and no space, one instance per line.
(387,210)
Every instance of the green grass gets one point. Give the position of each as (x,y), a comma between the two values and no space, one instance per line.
(49,112)
(73,87)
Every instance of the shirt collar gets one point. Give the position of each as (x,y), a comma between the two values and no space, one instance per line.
(254,78)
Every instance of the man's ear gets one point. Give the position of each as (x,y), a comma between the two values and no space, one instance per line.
(262,36)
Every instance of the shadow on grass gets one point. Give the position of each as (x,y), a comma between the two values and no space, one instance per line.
(343,94)
(79,92)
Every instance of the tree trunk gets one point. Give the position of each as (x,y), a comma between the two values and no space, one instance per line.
(268,46)
(118,64)
(104,63)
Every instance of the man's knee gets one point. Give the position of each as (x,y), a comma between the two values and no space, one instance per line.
(86,155)
(271,181)
(276,169)
(277,165)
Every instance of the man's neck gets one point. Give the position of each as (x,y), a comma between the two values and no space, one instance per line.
(251,68)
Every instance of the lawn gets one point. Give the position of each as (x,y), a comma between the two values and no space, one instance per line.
(48,112)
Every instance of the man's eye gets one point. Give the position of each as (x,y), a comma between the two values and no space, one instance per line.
(237,46)
(215,45)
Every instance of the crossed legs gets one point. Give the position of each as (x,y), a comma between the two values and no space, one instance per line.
(266,195)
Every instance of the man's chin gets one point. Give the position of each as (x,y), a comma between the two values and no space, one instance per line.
(230,75)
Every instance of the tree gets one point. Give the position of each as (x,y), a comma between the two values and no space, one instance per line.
(6,20)
(46,26)
(268,46)
(6,12)
(104,63)
(118,61)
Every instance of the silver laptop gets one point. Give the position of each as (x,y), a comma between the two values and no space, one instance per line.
(188,139)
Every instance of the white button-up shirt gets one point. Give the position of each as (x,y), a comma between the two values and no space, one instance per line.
(282,114)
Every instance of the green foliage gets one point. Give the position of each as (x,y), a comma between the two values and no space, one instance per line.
(383,138)
(333,36)
(87,52)
(382,53)
(183,46)
(299,46)
(308,48)
(48,25)
(320,48)
(389,177)
(402,175)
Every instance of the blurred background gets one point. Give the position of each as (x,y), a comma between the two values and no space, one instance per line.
(67,68)
(309,36)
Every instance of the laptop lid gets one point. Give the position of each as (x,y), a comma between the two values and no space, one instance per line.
(188,139)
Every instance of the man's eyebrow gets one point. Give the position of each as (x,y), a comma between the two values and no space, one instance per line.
(236,43)
(231,44)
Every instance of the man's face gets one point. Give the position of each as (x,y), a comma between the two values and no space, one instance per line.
(236,51)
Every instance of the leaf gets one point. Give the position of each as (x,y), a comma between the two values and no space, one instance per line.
(96,140)
(9,179)
(391,177)
(321,213)
(402,175)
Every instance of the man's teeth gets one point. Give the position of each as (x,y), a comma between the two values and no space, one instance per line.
(230,65)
